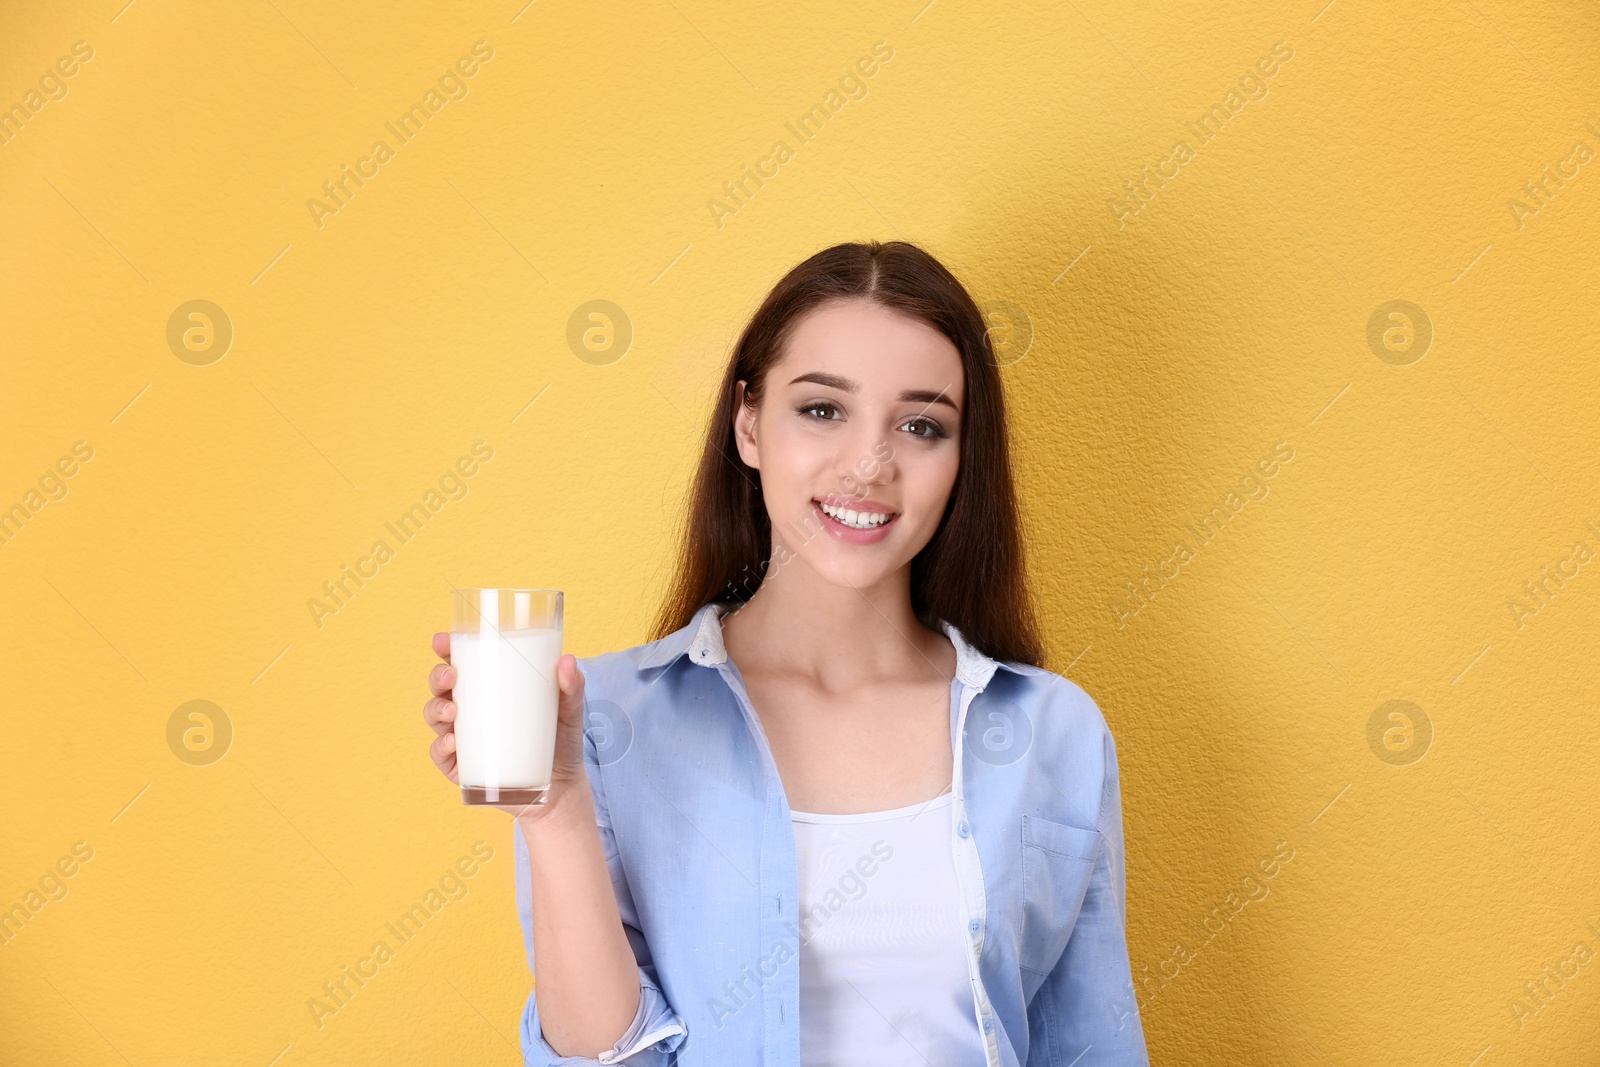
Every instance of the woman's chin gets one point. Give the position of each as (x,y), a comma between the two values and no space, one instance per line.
(858,575)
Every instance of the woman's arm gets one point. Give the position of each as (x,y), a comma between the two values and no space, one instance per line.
(587,985)
(596,998)
(573,898)
(1086,1013)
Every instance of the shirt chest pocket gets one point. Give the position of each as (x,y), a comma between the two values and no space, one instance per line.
(1058,860)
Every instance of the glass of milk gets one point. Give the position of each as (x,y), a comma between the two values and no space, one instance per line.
(504,645)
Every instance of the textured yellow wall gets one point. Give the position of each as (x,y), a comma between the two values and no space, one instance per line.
(1217,341)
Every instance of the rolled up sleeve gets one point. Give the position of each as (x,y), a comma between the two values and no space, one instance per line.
(657,1030)
(1087,1006)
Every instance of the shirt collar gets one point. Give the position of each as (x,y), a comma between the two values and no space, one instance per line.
(701,640)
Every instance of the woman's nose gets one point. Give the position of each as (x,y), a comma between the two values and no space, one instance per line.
(868,461)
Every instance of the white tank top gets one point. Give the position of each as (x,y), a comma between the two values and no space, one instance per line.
(884,978)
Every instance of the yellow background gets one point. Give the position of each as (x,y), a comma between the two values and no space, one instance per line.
(368,354)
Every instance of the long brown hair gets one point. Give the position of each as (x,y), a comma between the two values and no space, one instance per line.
(972,571)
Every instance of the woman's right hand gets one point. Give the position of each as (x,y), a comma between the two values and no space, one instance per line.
(568,778)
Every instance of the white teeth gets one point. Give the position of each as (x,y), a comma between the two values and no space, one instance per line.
(860,520)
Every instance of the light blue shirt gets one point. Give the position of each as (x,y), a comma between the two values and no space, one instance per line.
(696,832)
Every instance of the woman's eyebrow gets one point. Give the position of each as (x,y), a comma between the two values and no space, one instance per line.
(834,381)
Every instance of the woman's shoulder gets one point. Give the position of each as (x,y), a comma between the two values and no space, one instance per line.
(620,672)
(1053,701)
(1054,705)
(617,668)
(699,636)
(1062,733)
(1047,688)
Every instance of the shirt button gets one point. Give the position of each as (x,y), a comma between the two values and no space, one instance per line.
(988,1025)
(961,828)
(972,927)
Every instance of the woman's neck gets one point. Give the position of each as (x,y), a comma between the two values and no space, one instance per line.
(837,635)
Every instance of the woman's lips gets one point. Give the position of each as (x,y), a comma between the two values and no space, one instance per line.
(849,534)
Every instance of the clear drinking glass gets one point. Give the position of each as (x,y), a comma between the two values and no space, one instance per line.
(504,645)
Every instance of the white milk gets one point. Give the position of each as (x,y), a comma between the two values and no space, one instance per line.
(506,698)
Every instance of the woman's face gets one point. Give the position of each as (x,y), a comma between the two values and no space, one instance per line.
(858,440)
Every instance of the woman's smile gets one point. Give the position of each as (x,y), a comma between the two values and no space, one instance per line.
(858,522)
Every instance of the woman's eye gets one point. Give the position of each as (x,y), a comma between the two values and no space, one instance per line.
(819,406)
(929,429)
(920,426)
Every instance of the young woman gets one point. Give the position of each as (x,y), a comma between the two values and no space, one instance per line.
(837,812)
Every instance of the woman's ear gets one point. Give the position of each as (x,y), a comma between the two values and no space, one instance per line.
(744,428)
